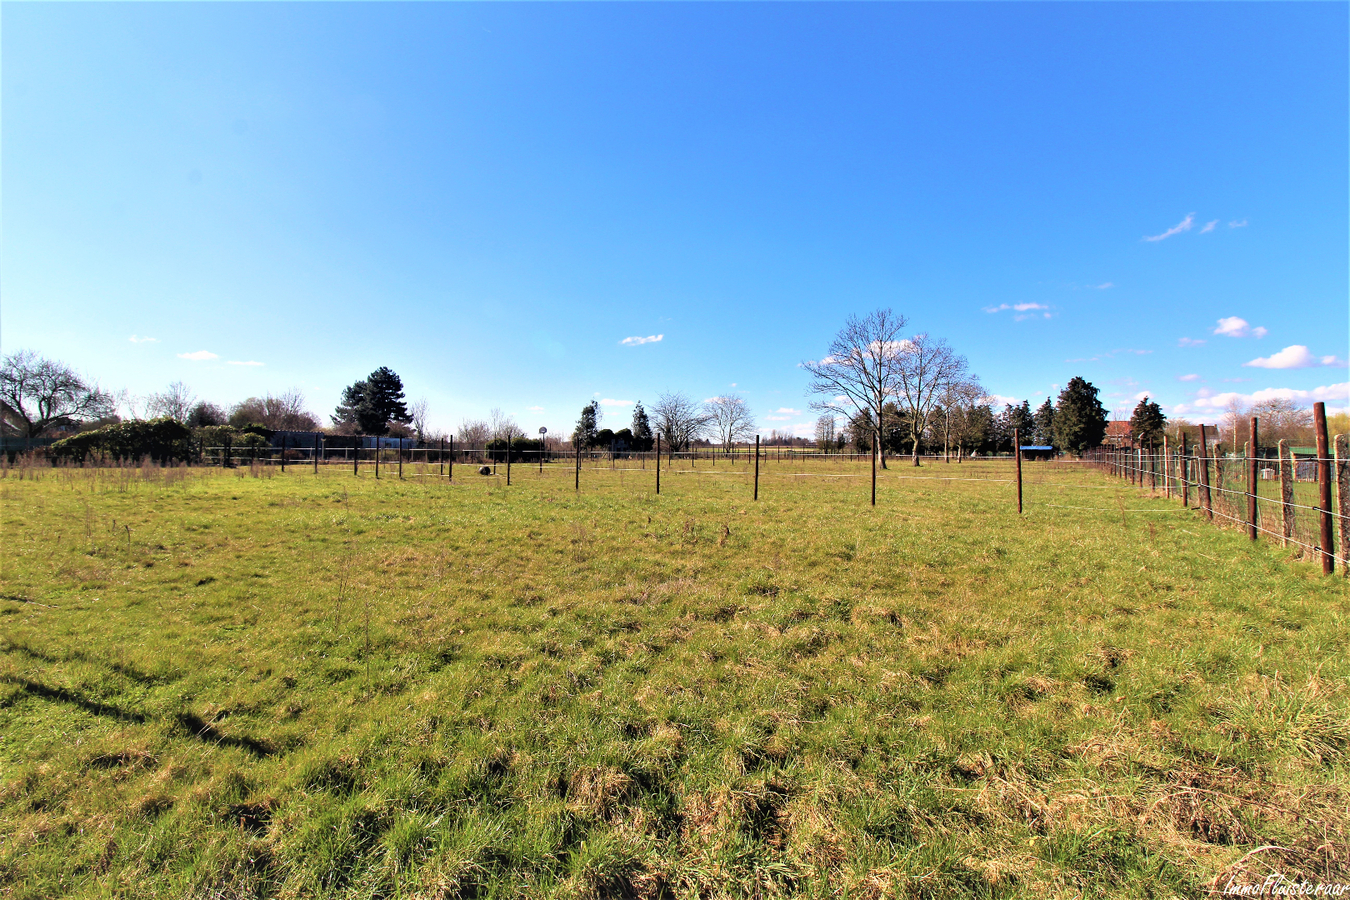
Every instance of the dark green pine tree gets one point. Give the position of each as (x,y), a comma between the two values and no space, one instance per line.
(373,403)
(588,426)
(1147,423)
(642,429)
(1080,418)
(1043,426)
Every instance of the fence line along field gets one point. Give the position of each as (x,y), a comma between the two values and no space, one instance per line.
(249,683)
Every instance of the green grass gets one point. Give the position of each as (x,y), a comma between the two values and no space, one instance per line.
(217,684)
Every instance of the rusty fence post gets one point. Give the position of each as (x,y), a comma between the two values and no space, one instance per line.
(1286,491)
(1342,454)
(1202,460)
(874,489)
(1017,457)
(1324,486)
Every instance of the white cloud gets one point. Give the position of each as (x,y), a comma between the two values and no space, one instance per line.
(1209,226)
(998,401)
(199,355)
(1018,307)
(1207,400)
(1233,326)
(535,409)
(804,430)
(251,362)
(144,340)
(778,418)
(1103,286)
(1184,225)
(1190,342)
(635,341)
(610,402)
(1142,395)
(1188,378)
(1237,224)
(786,411)
(1293,357)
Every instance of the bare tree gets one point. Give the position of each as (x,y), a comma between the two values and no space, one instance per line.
(418,410)
(957,399)
(826,430)
(1283,419)
(474,433)
(926,366)
(37,394)
(678,420)
(279,412)
(730,417)
(174,402)
(1233,418)
(501,425)
(860,373)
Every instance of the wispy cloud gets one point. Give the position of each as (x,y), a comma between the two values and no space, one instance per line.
(778,418)
(1190,342)
(1294,357)
(144,340)
(1105,285)
(1188,378)
(1184,225)
(1233,326)
(1018,307)
(783,410)
(534,408)
(608,401)
(635,341)
(237,362)
(1238,224)
(1209,226)
(199,355)
(999,400)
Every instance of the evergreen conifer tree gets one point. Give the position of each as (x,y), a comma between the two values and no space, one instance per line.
(1080,418)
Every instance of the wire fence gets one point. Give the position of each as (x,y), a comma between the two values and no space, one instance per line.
(1299,501)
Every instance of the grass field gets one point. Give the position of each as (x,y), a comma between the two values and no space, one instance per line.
(247,684)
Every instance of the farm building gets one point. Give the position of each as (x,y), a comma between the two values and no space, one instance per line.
(1037,451)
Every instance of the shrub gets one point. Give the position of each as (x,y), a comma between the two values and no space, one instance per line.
(160,439)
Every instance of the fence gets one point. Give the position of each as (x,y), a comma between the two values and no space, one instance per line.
(1284,499)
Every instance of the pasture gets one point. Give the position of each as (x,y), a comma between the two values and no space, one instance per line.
(248,684)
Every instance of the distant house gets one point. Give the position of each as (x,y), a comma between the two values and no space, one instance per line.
(1118,434)
(1037,451)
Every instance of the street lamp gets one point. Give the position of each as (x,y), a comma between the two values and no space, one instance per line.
(542,431)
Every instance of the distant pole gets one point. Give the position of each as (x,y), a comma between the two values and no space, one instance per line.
(757,470)
(1324,485)
(576,445)
(400,459)
(1017,455)
(876,442)
(451,462)
(1167,468)
(658,464)
(508,457)
(1202,458)
(377,456)
(316,453)
(283,451)
(1251,482)
(542,432)
(440,457)
(356,455)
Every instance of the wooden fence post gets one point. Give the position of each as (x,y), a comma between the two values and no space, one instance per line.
(356,455)
(1167,468)
(576,445)
(316,453)
(1286,490)
(508,458)
(283,451)
(1184,475)
(1017,455)
(1202,459)
(440,459)
(1252,446)
(1324,486)
(1343,499)
(658,464)
(874,489)
(450,463)
(377,456)
(400,459)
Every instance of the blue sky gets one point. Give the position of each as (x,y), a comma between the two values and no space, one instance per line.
(491,198)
